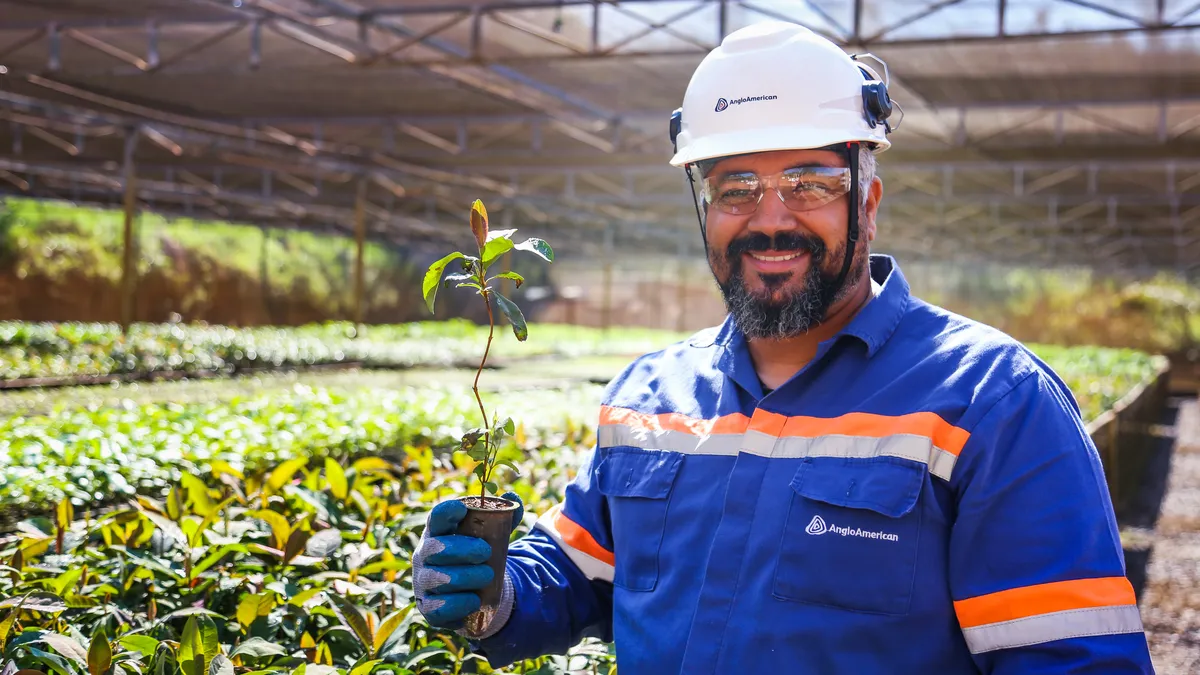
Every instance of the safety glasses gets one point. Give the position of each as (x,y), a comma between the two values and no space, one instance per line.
(799,188)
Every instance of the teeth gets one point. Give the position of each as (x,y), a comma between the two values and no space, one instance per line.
(775,258)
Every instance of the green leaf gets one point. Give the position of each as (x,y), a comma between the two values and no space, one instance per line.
(457,278)
(511,275)
(336,477)
(57,663)
(430,285)
(197,493)
(99,657)
(387,627)
(64,514)
(280,529)
(353,618)
(256,648)
(509,427)
(496,248)
(491,487)
(143,644)
(324,543)
(510,464)
(494,234)
(248,609)
(515,317)
(295,544)
(192,611)
(425,653)
(538,247)
(365,667)
(191,650)
(198,646)
(174,503)
(37,601)
(221,665)
(284,472)
(67,646)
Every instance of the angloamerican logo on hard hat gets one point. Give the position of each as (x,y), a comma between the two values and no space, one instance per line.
(723,103)
(818,526)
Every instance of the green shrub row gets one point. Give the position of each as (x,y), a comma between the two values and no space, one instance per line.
(40,350)
(117,446)
(300,570)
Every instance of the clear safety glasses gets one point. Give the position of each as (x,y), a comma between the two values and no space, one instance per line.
(799,188)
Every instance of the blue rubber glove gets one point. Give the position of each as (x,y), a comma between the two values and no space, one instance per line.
(448,568)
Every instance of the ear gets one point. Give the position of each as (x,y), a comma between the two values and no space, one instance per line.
(871,208)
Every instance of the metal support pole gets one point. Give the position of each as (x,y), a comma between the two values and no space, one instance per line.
(129,243)
(360,234)
(264,275)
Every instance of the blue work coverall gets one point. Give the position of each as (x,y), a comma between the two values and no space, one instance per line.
(921,498)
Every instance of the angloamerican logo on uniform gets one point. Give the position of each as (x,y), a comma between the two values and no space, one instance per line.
(818,526)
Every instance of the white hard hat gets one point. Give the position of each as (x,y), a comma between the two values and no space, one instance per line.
(778,86)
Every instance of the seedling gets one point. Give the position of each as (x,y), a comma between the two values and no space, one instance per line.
(489,518)
(482,444)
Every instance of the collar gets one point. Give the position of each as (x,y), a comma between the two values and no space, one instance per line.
(873,326)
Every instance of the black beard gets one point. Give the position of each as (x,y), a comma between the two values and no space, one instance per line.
(797,311)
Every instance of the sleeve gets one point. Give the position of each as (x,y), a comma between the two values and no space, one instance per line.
(562,575)
(1036,567)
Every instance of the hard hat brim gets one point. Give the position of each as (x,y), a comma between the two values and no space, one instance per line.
(749,141)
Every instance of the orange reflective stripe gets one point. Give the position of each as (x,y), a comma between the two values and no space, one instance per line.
(736,423)
(580,539)
(945,435)
(1018,603)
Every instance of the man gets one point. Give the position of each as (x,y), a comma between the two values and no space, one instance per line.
(841,478)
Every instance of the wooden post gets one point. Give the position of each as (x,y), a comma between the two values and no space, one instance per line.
(360,234)
(264,275)
(129,242)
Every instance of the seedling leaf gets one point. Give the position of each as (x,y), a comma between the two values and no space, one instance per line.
(432,275)
(496,248)
(538,247)
(515,317)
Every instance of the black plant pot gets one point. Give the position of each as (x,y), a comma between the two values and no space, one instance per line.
(492,522)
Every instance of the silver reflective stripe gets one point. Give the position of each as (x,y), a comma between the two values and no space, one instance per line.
(1071,623)
(907,446)
(591,568)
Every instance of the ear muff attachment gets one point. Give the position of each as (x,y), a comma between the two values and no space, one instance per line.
(877,105)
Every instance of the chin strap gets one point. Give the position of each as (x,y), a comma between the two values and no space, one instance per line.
(696,203)
(852,221)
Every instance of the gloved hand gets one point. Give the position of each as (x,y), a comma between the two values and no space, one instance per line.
(448,568)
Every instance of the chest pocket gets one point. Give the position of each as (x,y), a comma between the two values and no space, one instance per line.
(638,486)
(851,535)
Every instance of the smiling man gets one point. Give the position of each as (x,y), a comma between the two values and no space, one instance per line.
(841,478)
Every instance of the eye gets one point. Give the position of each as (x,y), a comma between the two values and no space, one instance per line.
(736,194)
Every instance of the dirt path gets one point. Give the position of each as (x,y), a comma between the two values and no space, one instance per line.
(1171,601)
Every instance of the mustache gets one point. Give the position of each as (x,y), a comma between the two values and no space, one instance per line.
(783,242)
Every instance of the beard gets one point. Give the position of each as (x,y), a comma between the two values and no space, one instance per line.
(775,312)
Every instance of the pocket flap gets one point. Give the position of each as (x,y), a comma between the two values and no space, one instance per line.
(886,485)
(633,472)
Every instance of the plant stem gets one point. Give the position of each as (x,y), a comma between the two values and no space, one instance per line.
(487,438)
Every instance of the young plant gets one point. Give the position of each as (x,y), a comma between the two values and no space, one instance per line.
(488,518)
(482,444)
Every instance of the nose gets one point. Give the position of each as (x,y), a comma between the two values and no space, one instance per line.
(772,216)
